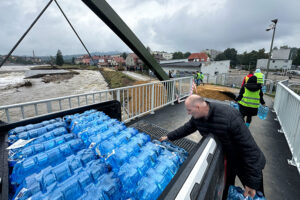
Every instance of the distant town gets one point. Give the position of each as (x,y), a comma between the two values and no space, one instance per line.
(283,58)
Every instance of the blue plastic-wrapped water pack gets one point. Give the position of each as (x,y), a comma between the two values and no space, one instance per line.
(89,156)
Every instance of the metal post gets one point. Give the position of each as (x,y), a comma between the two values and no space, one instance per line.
(152,99)
(270,53)
(173,92)
(118,95)
(105,12)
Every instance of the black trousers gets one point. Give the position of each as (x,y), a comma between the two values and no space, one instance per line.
(232,172)
(248,119)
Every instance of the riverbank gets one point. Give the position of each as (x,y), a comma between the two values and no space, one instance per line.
(116,79)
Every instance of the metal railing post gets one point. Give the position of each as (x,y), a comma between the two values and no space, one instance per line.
(7,115)
(118,95)
(49,107)
(152,99)
(173,91)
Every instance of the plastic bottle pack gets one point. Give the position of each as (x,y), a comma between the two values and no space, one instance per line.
(236,193)
(90,156)
(263,112)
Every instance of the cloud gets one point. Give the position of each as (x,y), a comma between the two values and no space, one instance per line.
(170,25)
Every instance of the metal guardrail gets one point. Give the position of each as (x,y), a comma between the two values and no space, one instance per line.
(287,108)
(235,81)
(135,100)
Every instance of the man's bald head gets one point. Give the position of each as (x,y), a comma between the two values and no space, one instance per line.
(194,100)
(196,106)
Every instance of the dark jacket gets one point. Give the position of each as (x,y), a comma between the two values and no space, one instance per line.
(253,86)
(239,146)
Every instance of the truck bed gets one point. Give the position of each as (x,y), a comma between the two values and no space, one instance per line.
(206,155)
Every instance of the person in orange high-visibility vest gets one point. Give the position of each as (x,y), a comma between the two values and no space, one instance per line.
(246,78)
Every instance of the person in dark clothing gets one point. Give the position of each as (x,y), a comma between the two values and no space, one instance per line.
(249,99)
(170,74)
(244,158)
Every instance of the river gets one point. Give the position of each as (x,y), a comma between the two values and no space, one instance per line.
(10,76)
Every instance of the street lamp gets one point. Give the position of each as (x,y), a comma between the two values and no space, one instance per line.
(272,26)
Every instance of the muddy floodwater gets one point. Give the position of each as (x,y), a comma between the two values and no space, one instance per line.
(85,82)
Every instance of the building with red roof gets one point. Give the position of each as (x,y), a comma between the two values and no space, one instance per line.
(198,57)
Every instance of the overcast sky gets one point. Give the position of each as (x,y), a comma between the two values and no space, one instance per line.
(169,25)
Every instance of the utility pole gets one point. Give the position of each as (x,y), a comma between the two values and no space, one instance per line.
(273,26)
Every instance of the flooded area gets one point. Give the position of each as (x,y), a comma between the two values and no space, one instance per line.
(86,81)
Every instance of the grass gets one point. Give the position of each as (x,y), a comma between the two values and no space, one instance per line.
(116,79)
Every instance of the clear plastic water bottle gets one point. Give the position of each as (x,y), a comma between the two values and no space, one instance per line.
(167,163)
(235,193)
(264,89)
(142,163)
(141,139)
(17,130)
(177,158)
(263,112)
(110,186)
(174,148)
(234,105)
(147,189)
(129,177)
(164,169)
(160,180)
(104,148)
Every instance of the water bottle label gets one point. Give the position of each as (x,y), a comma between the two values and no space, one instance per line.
(18,144)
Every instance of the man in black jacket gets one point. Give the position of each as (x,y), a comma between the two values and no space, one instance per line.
(244,158)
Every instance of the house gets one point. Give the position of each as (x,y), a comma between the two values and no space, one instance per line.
(213,53)
(117,61)
(133,62)
(162,55)
(280,59)
(198,57)
(211,68)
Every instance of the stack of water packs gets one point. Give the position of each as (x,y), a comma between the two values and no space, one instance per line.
(89,156)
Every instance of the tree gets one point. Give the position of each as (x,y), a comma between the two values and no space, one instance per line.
(285,47)
(73,60)
(220,56)
(59,58)
(231,54)
(124,55)
(296,60)
(178,55)
(187,54)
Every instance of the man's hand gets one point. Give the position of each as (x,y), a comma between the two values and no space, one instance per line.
(249,192)
(163,138)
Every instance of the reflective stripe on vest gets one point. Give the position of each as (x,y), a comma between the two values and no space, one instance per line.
(260,77)
(250,99)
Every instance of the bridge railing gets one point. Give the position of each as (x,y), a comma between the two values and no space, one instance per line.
(236,81)
(135,100)
(287,108)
